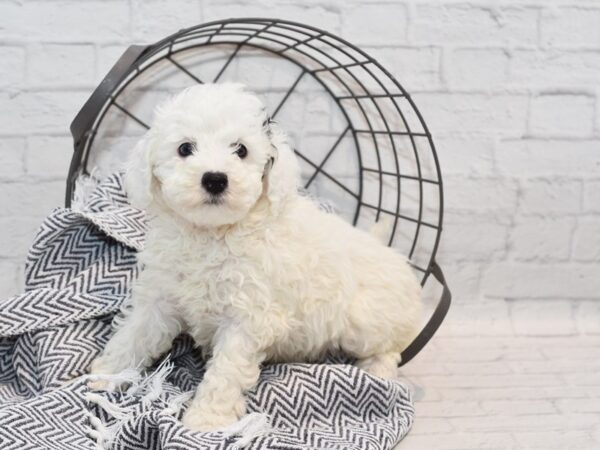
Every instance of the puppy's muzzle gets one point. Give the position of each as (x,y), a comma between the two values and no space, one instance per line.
(214,183)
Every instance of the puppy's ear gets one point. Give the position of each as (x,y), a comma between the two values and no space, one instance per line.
(138,174)
(281,171)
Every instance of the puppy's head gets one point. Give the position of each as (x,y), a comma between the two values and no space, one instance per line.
(210,155)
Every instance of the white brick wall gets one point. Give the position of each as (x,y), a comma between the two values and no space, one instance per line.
(562,115)
(509,89)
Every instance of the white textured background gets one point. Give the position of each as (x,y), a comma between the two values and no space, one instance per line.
(510,90)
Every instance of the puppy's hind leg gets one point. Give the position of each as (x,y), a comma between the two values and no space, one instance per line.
(383,365)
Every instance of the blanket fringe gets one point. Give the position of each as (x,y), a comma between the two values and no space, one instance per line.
(249,427)
(84,186)
(98,432)
(151,389)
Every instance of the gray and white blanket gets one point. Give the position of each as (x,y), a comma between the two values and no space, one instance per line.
(78,274)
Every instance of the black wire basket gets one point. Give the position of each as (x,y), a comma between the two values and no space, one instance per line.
(360,139)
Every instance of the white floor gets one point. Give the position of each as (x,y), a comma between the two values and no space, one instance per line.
(506,391)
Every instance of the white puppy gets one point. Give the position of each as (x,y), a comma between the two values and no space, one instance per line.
(252,270)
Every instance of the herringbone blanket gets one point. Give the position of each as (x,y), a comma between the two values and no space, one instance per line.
(78,274)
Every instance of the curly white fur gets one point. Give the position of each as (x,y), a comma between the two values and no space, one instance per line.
(263,275)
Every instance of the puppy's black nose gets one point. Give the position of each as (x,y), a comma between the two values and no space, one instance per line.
(214,182)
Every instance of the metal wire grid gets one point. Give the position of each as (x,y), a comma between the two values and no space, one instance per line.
(355,82)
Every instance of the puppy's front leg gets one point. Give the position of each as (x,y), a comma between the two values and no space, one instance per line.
(147,331)
(233,369)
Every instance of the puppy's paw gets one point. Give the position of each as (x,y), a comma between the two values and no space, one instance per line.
(111,383)
(100,366)
(197,420)
(99,385)
(103,378)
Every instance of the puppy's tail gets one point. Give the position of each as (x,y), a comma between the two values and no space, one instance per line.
(382,229)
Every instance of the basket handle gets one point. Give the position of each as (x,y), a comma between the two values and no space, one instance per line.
(85,118)
(435,320)
(87,115)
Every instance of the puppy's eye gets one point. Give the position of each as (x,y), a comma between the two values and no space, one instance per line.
(185,149)
(241,151)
